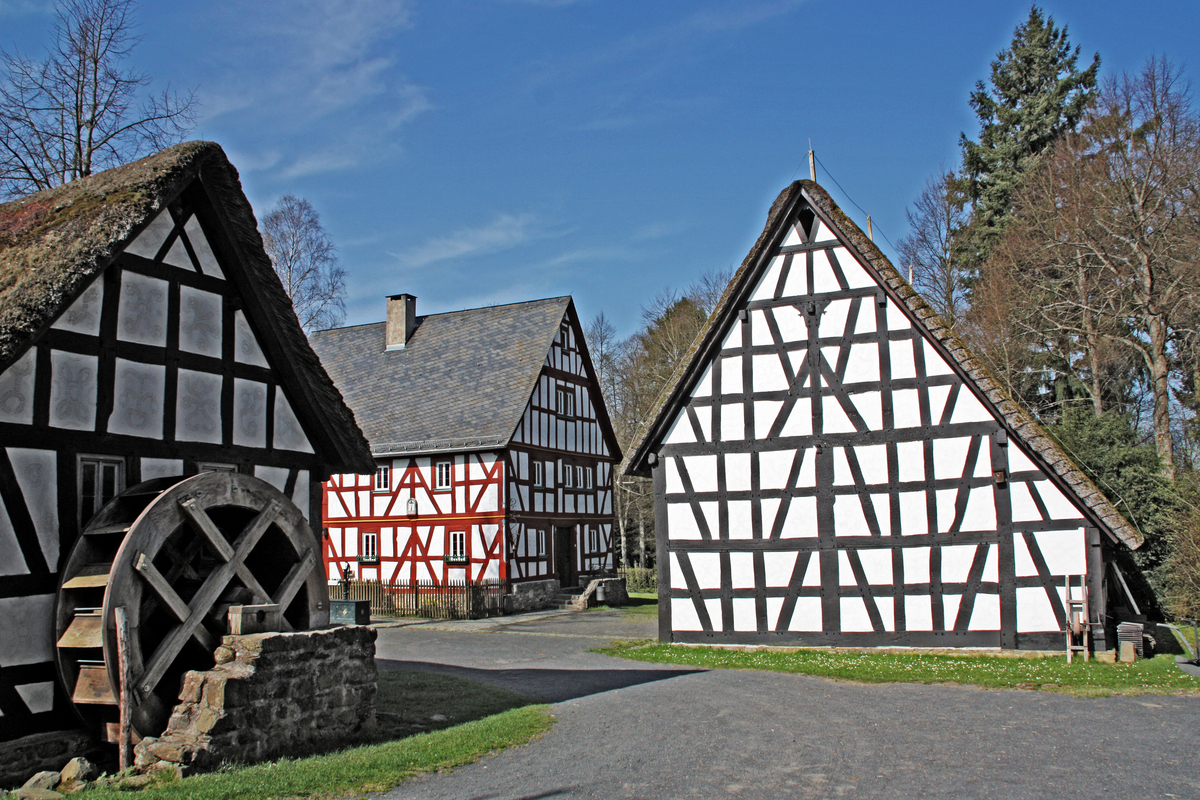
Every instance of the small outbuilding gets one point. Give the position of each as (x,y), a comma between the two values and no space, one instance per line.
(832,466)
(151,369)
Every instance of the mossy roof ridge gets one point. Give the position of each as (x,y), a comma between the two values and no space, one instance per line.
(1016,417)
(53,242)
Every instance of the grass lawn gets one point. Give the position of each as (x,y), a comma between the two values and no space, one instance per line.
(427,722)
(642,604)
(1082,678)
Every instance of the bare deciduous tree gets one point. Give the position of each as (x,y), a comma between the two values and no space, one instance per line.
(930,250)
(306,261)
(78,111)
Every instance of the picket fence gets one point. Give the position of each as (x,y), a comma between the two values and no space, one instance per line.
(450,600)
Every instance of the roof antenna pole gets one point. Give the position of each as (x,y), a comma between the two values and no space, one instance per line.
(910,267)
(812,162)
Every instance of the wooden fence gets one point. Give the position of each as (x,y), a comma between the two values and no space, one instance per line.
(452,600)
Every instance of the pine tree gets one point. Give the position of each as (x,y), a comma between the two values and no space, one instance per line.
(1036,95)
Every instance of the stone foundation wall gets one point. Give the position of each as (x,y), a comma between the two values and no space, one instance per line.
(20,758)
(270,695)
(530,596)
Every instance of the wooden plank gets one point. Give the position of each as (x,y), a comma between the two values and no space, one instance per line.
(166,592)
(94,576)
(126,700)
(93,687)
(86,630)
(107,530)
(204,525)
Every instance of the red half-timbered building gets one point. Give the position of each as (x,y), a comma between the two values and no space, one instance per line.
(494,452)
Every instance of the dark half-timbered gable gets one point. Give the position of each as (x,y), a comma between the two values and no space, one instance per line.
(494,453)
(832,467)
(143,335)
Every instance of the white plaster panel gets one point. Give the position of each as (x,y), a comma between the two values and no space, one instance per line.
(830,354)
(142,316)
(681,522)
(714,613)
(1057,504)
(799,420)
(872,460)
(704,385)
(489,499)
(798,358)
(991,565)
(877,565)
(866,319)
(950,604)
(870,407)
(900,352)
(245,343)
(744,616)
(1022,562)
(681,431)
(300,495)
(897,320)
(856,276)
(774,606)
(178,256)
(956,562)
(910,460)
(204,253)
(985,616)
(833,319)
(792,325)
(765,412)
(835,419)
(138,391)
(778,568)
(801,521)
(934,363)
(73,391)
(37,475)
(918,612)
(774,466)
(824,279)
(842,475)
(980,514)
(740,520)
(334,505)
(83,316)
(733,338)
(968,409)
(883,513)
(863,364)
(249,413)
(806,617)
(808,470)
(937,402)
(914,514)
(983,464)
(1065,551)
(200,321)
(707,569)
(674,484)
(38,697)
(854,615)
(703,472)
(1017,460)
(848,516)
(733,423)
(741,570)
(198,407)
(760,332)
(1023,507)
(151,240)
(731,375)
(737,472)
(683,615)
(812,575)
(793,236)
(27,630)
(288,433)
(1034,610)
(765,289)
(946,500)
(277,477)
(906,408)
(16,389)
(916,564)
(950,457)
(161,468)
(768,374)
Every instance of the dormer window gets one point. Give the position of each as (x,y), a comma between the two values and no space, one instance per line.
(383,478)
(444,476)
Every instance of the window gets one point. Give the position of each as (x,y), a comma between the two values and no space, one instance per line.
(208,466)
(541,543)
(568,475)
(445,472)
(566,402)
(101,478)
(456,553)
(383,478)
(368,552)
(593,540)
(579,478)
(587,476)
(539,478)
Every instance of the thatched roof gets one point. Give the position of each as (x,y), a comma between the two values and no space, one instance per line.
(1013,416)
(53,242)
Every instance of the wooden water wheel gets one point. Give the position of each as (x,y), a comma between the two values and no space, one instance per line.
(175,553)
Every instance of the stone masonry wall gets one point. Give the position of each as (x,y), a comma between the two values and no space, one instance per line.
(270,695)
(20,758)
(530,596)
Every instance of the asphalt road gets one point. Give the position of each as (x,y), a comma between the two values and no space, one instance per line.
(632,730)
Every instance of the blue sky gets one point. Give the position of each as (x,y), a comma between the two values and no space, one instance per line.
(491,151)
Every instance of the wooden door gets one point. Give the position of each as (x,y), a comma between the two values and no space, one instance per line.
(564,555)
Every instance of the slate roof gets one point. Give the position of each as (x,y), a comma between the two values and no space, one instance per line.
(461,382)
(1015,417)
(54,241)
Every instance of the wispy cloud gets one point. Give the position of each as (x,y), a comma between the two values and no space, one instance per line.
(504,232)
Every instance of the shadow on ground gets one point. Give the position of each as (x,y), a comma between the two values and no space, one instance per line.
(546,685)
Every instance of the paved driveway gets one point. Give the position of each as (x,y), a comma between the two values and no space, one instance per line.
(628,729)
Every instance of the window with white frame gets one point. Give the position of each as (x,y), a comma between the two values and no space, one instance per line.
(568,477)
(383,478)
(444,476)
(539,477)
(579,478)
(457,549)
(566,401)
(101,478)
(369,548)
(588,473)
(541,542)
(593,540)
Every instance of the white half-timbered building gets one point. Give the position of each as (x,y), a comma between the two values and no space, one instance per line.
(493,451)
(144,335)
(832,467)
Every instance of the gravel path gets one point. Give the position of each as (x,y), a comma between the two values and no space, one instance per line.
(628,729)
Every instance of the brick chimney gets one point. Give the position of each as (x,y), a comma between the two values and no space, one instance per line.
(401,319)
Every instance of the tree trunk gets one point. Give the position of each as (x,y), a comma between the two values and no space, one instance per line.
(1160,377)
(620,509)
(642,536)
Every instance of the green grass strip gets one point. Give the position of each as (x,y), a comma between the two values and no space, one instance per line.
(1158,675)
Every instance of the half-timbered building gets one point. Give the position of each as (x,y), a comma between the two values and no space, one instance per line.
(831,466)
(144,337)
(493,450)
